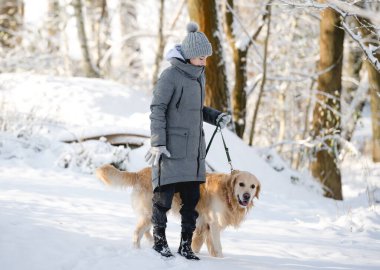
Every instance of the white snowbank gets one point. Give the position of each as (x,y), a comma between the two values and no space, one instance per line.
(56,215)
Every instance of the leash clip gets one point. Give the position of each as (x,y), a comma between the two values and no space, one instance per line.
(227,152)
(231,168)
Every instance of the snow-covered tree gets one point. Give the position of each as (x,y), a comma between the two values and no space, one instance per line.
(11,20)
(88,66)
(327,111)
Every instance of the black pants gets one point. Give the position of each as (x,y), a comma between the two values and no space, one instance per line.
(162,202)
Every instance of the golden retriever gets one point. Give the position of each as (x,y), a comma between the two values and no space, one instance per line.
(225,200)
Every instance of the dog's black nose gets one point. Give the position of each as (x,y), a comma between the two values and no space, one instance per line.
(246,196)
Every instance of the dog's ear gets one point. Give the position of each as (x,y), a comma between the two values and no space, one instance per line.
(233,178)
(258,189)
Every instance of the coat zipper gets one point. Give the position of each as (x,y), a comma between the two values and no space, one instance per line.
(200,127)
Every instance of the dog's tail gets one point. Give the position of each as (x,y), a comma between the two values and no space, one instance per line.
(114,177)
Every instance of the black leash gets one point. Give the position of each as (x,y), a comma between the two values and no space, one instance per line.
(212,138)
(224,143)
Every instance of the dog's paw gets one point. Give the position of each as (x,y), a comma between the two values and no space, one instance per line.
(215,253)
(219,255)
(136,244)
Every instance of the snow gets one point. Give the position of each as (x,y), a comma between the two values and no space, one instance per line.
(55,214)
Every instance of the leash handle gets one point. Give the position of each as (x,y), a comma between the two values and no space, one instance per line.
(213,135)
(224,144)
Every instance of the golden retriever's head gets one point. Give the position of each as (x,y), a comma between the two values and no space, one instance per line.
(245,187)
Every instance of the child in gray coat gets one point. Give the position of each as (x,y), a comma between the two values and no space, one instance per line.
(178,147)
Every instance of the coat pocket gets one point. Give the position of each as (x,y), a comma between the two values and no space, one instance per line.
(177,142)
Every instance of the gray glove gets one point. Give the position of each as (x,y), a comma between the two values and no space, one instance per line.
(223,119)
(154,154)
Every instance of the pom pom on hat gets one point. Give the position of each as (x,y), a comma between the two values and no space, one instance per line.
(192,27)
(195,43)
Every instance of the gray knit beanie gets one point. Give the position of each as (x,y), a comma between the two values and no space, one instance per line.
(195,43)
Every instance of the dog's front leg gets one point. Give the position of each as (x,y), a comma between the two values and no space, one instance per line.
(214,245)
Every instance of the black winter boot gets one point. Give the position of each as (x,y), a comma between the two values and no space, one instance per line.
(185,246)
(160,243)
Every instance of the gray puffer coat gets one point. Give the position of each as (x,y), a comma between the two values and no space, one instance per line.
(177,115)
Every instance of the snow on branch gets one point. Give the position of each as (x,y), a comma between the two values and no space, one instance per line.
(368,50)
(250,40)
(355,10)
(345,10)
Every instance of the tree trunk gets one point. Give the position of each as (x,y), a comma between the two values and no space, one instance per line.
(11,21)
(369,32)
(88,67)
(263,81)
(100,32)
(374,88)
(301,153)
(204,12)
(130,60)
(326,124)
(53,20)
(352,98)
(239,97)
(161,43)
(239,94)
(104,35)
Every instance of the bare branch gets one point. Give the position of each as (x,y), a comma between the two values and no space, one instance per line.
(368,50)
(244,29)
(351,9)
(345,10)
(178,15)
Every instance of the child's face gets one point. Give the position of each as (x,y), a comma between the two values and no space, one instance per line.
(198,61)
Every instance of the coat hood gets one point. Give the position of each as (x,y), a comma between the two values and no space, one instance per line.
(176,58)
(175,52)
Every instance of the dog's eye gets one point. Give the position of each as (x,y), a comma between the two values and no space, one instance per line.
(253,186)
(241,184)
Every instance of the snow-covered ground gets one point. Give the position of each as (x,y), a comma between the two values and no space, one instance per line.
(54,213)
